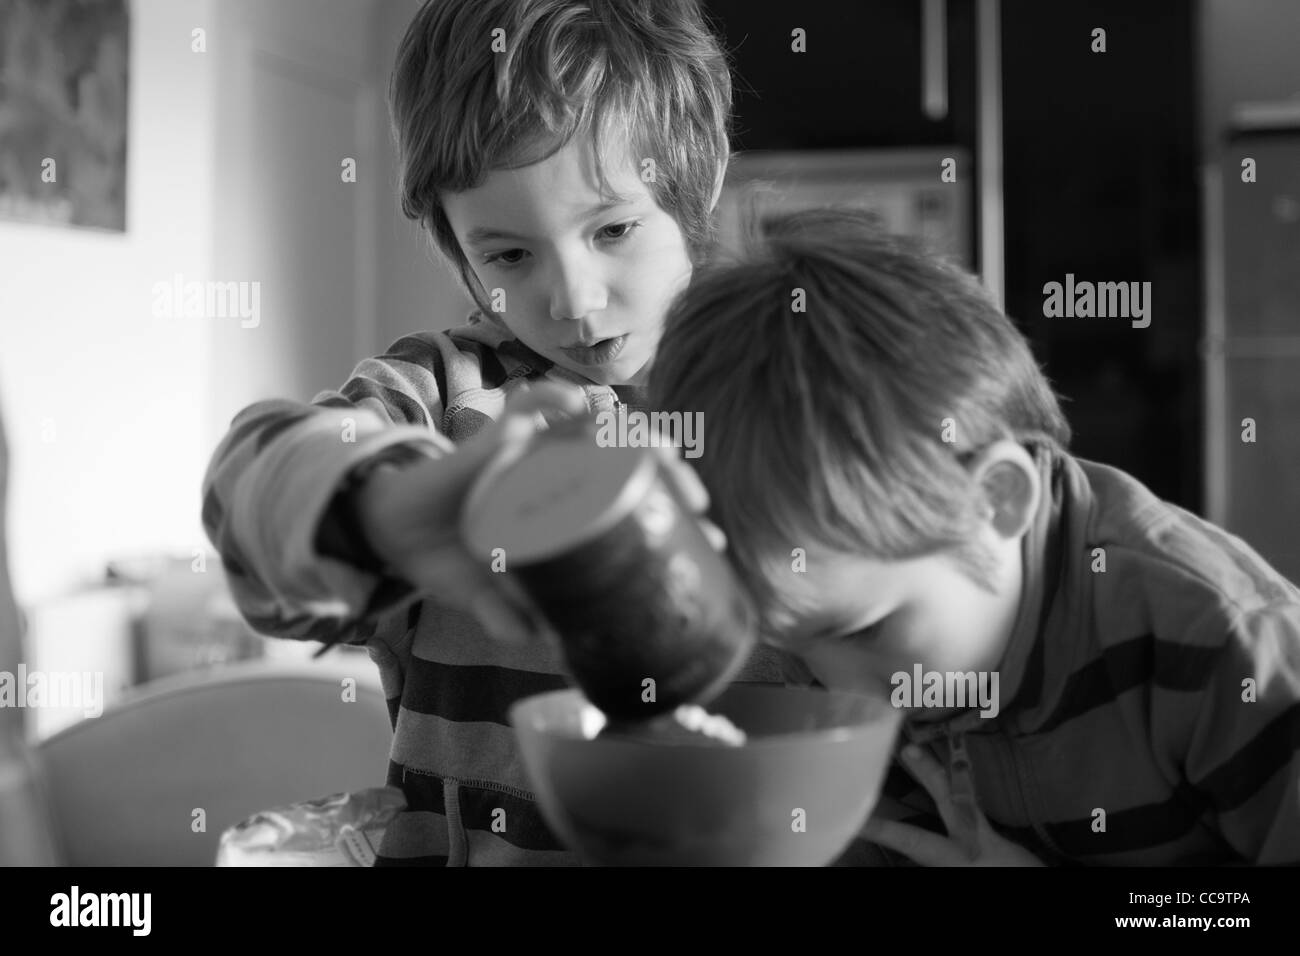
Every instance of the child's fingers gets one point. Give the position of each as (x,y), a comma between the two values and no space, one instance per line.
(522,606)
(960,819)
(452,577)
(506,611)
(920,846)
(926,771)
(684,479)
(693,493)
(499,619)
(715,535)
(518,422)
(549,397)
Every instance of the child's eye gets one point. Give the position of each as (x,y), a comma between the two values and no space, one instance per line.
(861,634)
(511,257)
(618,231)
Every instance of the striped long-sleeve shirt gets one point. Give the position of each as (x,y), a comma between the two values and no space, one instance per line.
(1150,692)
(269,495)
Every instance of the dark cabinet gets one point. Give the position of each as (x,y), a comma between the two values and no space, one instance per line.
(1100,179)
(1101,167)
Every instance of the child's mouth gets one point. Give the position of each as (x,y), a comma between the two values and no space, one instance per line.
(597,353)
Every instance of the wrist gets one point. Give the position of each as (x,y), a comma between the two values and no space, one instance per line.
(369,503)
(352,529)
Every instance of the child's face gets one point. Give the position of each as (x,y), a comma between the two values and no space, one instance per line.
(866,620)
(574,275)
(921,611)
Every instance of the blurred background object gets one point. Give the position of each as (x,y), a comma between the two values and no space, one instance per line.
(63,89)
(158,778)
(239,116)
(26,831)
(1252,349)
(158,774)
(899,186)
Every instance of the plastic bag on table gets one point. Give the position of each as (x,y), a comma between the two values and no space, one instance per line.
(343,829)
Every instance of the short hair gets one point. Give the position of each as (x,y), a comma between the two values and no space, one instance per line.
(649,71)
(826,425)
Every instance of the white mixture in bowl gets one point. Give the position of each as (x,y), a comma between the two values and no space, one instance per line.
(689,723)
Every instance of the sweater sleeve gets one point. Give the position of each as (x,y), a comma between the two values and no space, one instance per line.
(273,478)
(1243,755)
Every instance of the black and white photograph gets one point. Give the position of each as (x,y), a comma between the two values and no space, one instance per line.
(652,434)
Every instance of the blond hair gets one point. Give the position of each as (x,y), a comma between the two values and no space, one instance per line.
(827,426)
(646,72)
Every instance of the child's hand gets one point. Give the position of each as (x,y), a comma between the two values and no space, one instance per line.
(411,517)
(971,841)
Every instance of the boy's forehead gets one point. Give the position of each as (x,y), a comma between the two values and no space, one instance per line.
(838,570)
(567,180)
(829,584)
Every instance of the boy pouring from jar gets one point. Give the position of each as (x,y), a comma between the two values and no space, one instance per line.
(565,155)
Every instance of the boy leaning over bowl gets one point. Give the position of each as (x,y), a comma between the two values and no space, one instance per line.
(900,434)
(523,155)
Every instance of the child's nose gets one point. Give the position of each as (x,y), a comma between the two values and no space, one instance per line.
(577,291)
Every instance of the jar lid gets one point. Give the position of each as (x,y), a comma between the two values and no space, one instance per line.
(555,492)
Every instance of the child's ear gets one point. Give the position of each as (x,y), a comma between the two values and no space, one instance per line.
(1009,478)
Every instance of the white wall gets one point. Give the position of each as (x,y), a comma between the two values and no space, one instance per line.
(318,328)
(222,186)
(84,363)
(415,290)
(299,97)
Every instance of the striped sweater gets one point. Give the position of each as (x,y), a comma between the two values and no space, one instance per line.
(1150,704)
(271,507)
